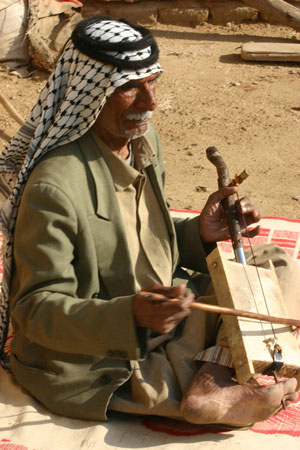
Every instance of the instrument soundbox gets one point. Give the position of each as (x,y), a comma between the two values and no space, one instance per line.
(251,341)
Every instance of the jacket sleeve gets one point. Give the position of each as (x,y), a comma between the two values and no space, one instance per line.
(44,301)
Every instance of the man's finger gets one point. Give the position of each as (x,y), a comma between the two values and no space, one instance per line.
(222,193)
(167,291)
(170,306)
(253,232)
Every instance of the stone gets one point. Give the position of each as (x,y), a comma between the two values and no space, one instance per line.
(234,12)
(190,17)
(143,13)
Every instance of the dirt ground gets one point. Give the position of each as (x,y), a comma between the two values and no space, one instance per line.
(209,96)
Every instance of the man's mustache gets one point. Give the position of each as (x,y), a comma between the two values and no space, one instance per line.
(139,116)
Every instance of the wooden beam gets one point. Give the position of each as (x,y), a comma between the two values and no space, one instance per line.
(279,11)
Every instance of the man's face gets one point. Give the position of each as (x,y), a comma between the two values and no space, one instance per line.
(127,112)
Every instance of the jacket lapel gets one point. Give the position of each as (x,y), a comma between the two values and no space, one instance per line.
(113,257)
(156,183)
(155,173)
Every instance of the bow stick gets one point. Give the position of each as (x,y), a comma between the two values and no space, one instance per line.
(242,313)
(198,304)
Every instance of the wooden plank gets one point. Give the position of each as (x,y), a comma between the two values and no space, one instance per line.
(251,342)
(278,11)
(265,51)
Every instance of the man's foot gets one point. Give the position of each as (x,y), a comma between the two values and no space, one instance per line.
(214,397)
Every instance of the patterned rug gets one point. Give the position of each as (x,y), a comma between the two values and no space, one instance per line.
(274,230)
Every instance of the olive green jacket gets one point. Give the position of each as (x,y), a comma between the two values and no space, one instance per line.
(73,283)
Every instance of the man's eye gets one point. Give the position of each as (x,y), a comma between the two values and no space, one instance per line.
(128,87)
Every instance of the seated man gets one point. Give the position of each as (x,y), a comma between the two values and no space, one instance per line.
(99,303)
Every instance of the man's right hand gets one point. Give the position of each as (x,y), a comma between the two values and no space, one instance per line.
(161,308)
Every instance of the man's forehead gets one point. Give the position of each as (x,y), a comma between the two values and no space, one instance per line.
(143,80)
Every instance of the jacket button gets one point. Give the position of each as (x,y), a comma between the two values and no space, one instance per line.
(105,379)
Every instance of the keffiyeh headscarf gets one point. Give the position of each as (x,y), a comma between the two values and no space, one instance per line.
(101,55)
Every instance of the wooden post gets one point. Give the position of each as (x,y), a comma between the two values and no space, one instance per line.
(10,109)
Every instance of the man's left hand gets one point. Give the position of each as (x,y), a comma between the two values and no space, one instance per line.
(213,224)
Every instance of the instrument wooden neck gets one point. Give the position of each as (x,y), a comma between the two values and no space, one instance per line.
(229,204)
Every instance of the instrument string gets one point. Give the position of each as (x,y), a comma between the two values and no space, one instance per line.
(277,355)
(257,272)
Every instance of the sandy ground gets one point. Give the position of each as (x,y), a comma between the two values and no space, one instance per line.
(209,96)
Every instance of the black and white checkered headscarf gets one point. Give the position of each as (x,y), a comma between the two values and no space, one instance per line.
(102,55)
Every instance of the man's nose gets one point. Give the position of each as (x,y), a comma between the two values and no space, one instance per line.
(147,99)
